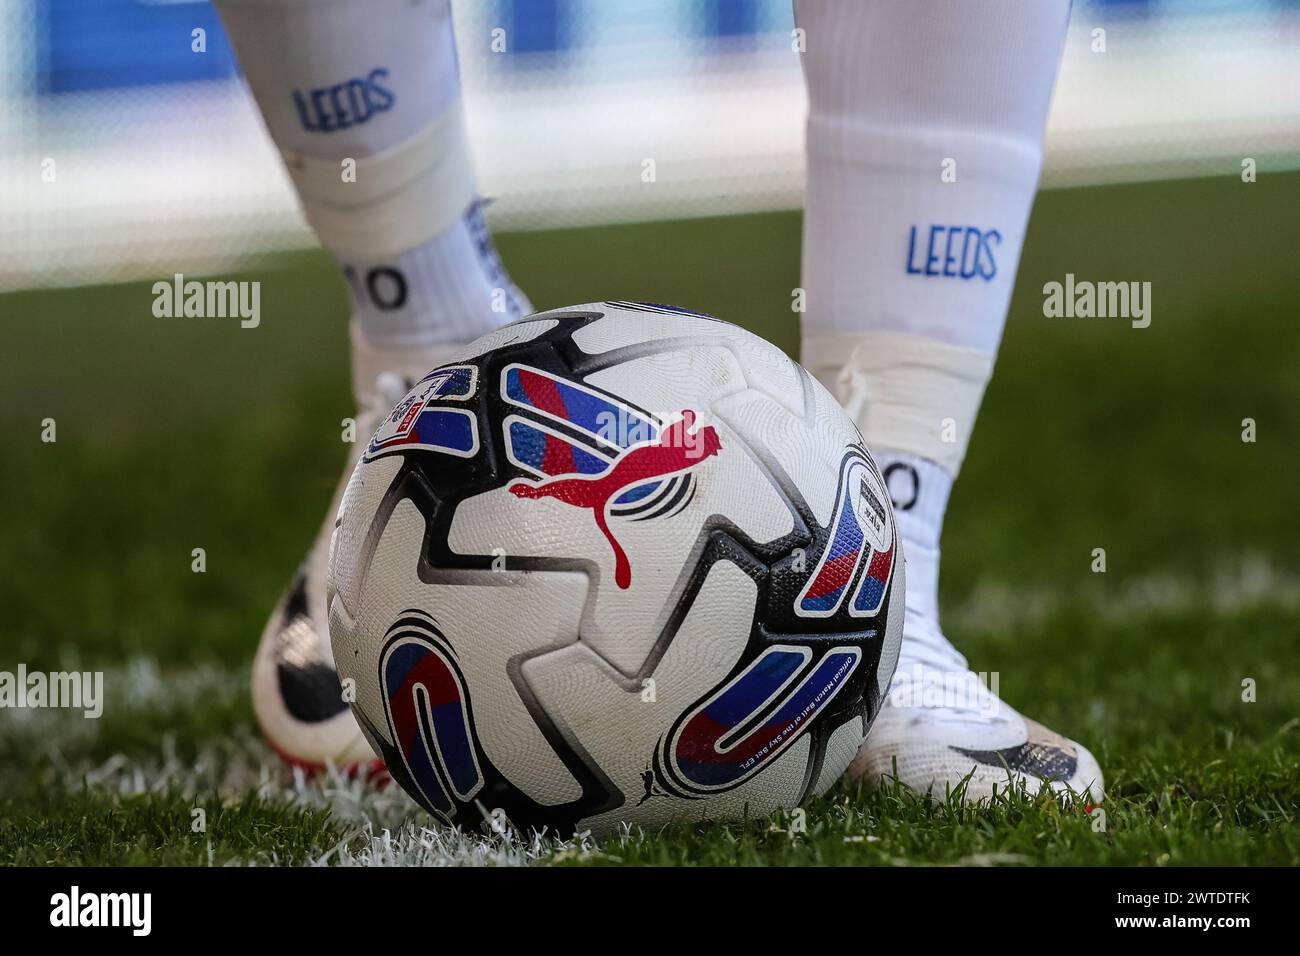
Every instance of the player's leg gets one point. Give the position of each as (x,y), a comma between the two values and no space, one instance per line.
(362,98)
(924,147)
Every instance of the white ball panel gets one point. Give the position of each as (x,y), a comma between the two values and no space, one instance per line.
(623,327)
(841,748)
(770,371)
(604,710)
(361,499)
(506,335)
(828,416)
(605,713)
(811,457)
(667,382)
(523,613)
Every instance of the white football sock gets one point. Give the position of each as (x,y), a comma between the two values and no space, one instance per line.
(919,489)
(924,143)
(447,291)
(363,101)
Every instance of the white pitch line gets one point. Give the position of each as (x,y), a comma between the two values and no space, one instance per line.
(1248,582)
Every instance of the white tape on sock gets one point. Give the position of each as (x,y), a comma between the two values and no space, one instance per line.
(906,392)
(400,198)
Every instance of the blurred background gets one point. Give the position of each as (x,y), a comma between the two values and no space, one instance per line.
(163,164)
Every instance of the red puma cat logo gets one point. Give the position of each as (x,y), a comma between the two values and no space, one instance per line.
(676,450)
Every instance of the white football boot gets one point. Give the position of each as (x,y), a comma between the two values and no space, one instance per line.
(941,727)
(296,692)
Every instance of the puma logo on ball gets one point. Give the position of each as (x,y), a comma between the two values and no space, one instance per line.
(676,450)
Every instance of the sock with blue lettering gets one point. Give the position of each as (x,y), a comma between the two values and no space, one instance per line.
(924,145)
(363,101)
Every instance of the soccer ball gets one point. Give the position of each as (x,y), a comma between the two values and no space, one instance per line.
(619,563)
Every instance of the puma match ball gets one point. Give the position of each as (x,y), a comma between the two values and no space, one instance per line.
(616,563)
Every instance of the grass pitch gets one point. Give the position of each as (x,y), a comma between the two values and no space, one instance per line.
(176,434)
